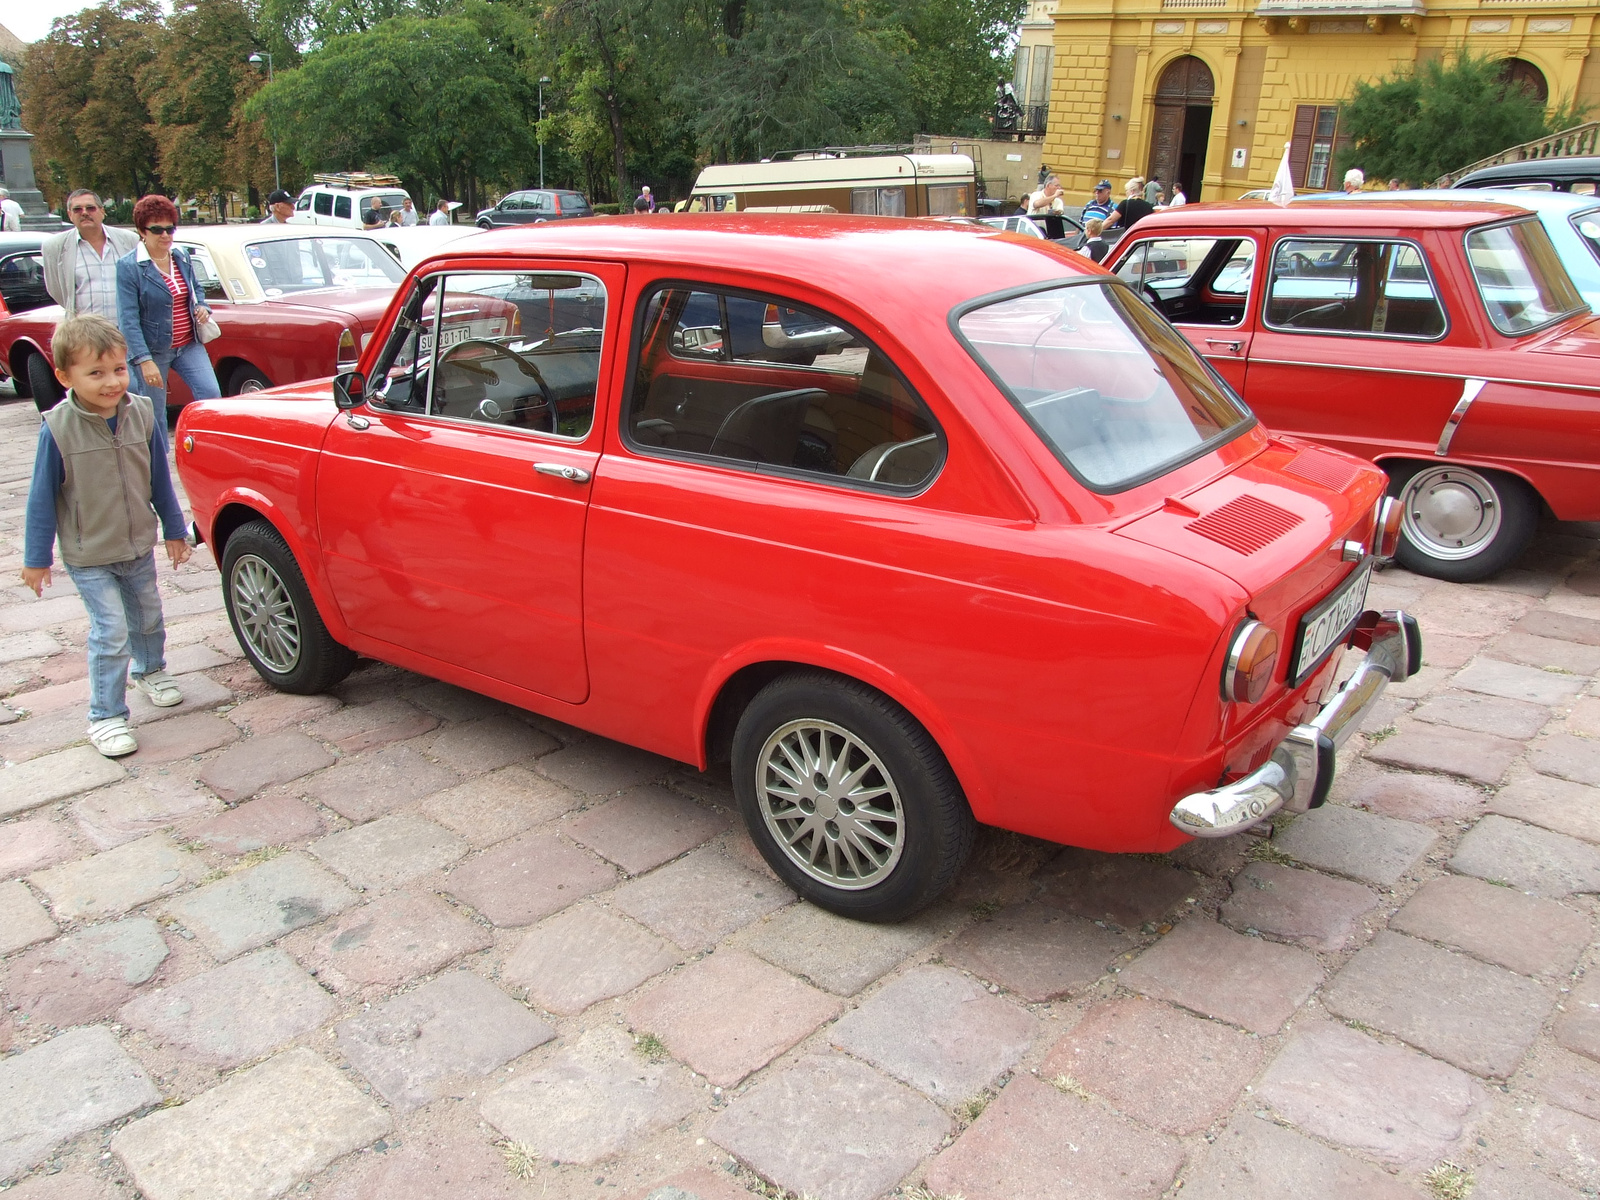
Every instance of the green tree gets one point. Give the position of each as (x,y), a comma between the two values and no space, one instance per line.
(1422,122)
(955,51)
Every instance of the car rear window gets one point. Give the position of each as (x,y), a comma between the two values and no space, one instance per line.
(287,265)
(1521,280)
(1115,392)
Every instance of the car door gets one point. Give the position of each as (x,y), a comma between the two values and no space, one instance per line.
(1204,286)
(1354,345)
(452,505)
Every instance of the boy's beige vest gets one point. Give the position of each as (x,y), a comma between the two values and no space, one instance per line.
(103,511)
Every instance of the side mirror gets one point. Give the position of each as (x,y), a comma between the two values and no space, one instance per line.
(349,389)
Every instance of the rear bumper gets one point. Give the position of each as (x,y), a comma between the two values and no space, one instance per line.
(1300,771)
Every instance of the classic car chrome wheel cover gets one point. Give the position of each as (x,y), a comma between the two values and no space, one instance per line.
(252,385)
(265,613)
(1451,513)
(831,804)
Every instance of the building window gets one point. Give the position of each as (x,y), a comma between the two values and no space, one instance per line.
(1317,142)
(1019,78)
(878,202)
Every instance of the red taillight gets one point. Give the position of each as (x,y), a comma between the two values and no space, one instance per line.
(557,199)
(771,317)
(348,354)
(1252,655)
(1386,532)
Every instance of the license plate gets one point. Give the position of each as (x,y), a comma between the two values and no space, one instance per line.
(451,336)
(1326,625)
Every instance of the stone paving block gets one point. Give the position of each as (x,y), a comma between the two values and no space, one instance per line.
(1216,857)
(53,777)
(451,703)
(591,1100)
(17,646)
(700,899)
(1362,845)
(359,727)
(1498,1181)
(1577,1026)
(260,762)
(1036,1143)
(584,955)
(257,1134)
(1037,951)
(1475,612)
(33,843)
(1566,1080)
(389,851)
(1243,980)
(1568,757)
(1554,804)
(1408,797)
(730,1014)
(457,1026)
(473,747)
(1479,1017)
(831,1129)
(701,1183)
(1528,858)
(446,1155)
(1386,1101)
(133,808)
(186,660)
(525,880)
(70,693)
(1566,1143)
(1546,623)
(1253,1159)
(499,805)
(87,974)
(181,737)
(1418,746)
(1515,681)
(261,903)
(1118,888)
(1311,910)
(280,710)
(1451,653)
(1500,925)
(1157,1064)
(1584,717)
(367,785)
(835,952)
(600,767)
(1547,653)
(68,1185)
(69,1085)
(1484,714)
(266,821)
(645,827)
(41,614)
(395,938)
(23,920)
(964,1036)
(234,1013)
(200,692)
(104,885)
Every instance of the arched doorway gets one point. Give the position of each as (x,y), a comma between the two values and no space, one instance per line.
(1522,74)
(1182,124)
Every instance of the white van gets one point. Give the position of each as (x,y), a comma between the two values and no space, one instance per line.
(344,198)
(842,180)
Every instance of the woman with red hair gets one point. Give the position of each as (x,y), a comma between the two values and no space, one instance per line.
(158,306)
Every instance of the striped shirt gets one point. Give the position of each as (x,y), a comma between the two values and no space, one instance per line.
(94,279)
(182,325)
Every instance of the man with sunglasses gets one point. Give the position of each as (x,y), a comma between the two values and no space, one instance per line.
(80,264)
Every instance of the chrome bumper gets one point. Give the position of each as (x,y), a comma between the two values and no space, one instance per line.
(1300,771)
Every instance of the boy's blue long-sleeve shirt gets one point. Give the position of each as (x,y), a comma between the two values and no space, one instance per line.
(50,473)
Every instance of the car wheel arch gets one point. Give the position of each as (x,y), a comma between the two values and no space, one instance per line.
(1390,462)
(21,351)
(239,507)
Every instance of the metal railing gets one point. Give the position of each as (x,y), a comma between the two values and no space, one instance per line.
(1580,139)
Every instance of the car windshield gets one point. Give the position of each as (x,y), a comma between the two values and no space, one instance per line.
(1112,389)
(1522,282)
(288,265)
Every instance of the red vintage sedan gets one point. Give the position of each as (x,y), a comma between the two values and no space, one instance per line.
(292,302)
(1003,550)
(1441,339)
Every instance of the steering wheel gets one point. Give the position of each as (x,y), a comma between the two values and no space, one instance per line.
(1151,296)
(1336,306)
(546,396)
(1302,264)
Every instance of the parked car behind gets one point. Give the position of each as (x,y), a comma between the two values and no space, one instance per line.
(412,243)
(1579,174)
(292,302)
(346,198)
(535,207)
(1008,553)
(1441,339)
(21,273)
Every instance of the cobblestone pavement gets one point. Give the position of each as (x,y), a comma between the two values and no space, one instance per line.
(403,942)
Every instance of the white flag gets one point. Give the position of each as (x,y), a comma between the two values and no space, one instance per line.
(1282,183)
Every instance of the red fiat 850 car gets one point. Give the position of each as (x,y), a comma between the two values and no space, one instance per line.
(1004,550)
(1442,339)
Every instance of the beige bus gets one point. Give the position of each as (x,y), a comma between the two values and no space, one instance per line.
(887,185)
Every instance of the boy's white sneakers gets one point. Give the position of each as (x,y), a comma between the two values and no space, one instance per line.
(161,688)
(112,737)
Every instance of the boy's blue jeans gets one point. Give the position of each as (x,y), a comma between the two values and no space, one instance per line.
(124,622)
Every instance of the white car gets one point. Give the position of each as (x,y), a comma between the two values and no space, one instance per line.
(344,199)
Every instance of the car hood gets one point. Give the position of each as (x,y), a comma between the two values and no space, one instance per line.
(1581,338)
(364,306)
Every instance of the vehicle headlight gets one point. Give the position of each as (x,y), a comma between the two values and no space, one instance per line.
(1252,655)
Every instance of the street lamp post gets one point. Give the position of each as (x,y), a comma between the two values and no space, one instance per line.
(543,79)
(277,179)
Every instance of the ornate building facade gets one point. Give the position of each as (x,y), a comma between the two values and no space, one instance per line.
(1209,91)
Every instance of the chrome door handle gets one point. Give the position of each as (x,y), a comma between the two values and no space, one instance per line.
(562,471)
(1231,344)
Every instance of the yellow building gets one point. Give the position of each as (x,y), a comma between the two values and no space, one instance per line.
(1209,91)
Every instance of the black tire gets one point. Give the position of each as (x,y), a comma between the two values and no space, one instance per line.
(246,378)
(883,745)
(485,223)
(255,557)
(47,393)
(1460,523)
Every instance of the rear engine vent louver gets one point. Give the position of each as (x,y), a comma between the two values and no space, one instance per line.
(1245,524)
(1325,472)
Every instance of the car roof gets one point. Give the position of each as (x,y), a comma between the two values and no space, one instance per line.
(233,235)
(1339,214)
(1534,201)
(1533,170)
(20,241)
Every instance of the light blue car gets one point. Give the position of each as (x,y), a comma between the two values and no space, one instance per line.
(1573,223)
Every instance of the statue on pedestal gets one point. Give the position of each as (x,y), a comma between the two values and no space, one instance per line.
(16,159)
(10,106)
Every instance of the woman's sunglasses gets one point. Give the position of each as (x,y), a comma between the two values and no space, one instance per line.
(161,230)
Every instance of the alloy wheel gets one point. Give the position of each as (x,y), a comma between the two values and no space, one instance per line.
(265,613)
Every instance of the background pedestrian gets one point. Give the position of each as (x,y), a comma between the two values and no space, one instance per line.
(10,213)
(408,212)
(441,215)
(1100,206)
(159,309)
(280,207)
(1132,208)
(80,264)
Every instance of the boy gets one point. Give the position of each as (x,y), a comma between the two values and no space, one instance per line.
(100,479)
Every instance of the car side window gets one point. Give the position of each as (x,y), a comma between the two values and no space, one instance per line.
(22,282)
(1377,289)
(1193,281)
(205,272)
(764,384)
(324,204)
(303,204)
(341,206)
